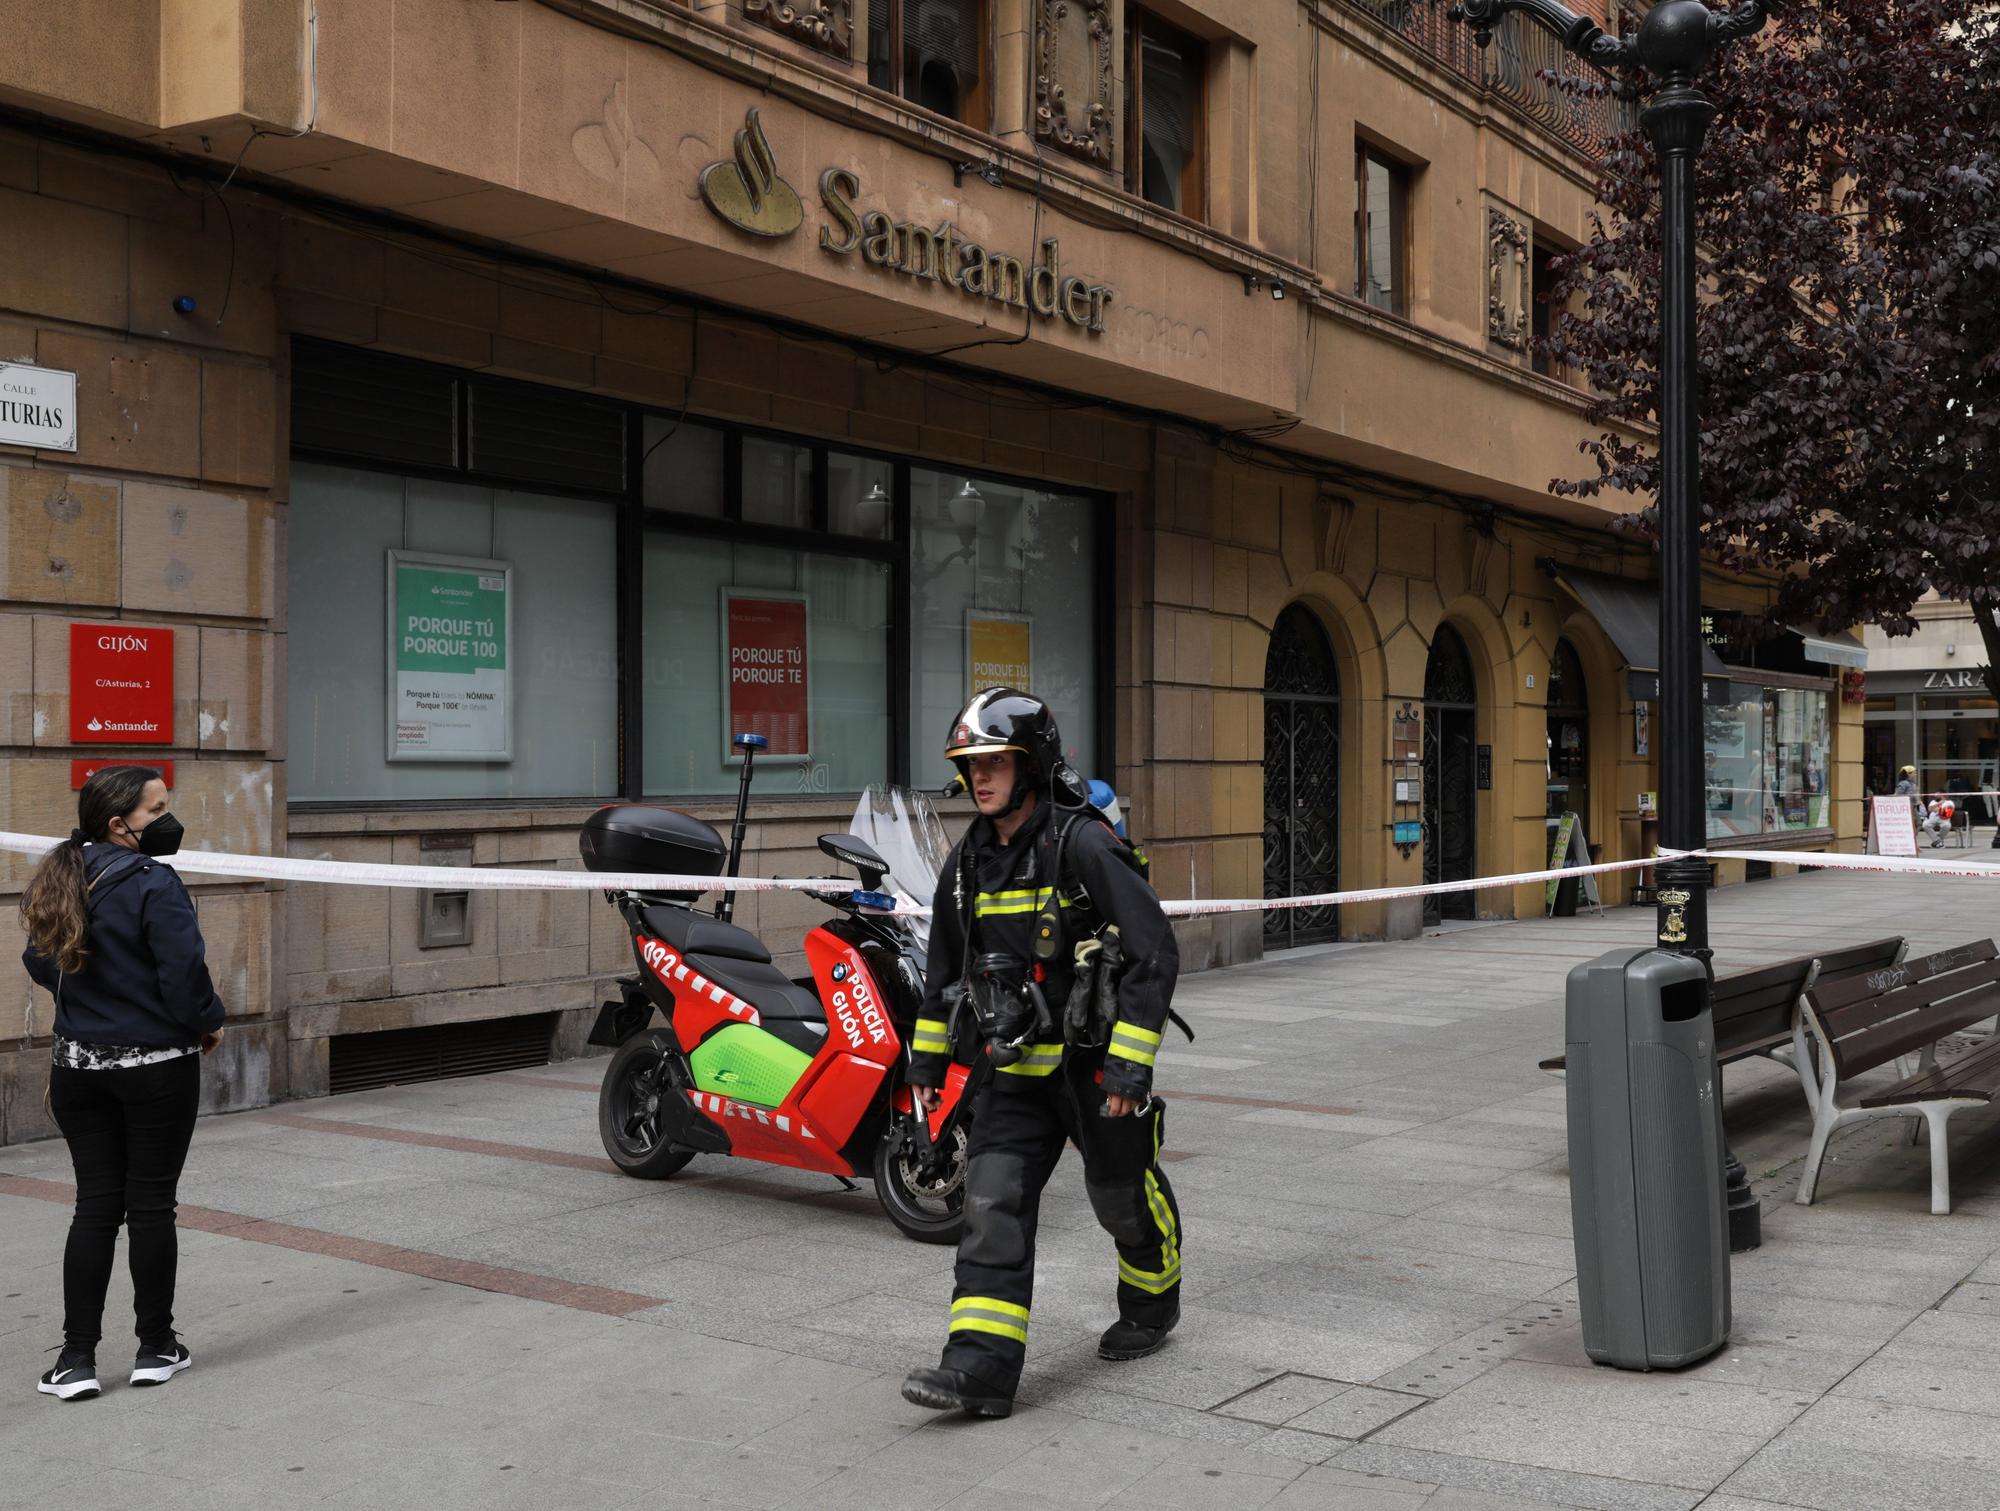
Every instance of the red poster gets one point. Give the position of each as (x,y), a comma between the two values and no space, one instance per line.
(82,771)
(765,644)
(121,685)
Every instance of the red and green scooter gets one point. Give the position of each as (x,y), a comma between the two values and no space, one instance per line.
(808,1073)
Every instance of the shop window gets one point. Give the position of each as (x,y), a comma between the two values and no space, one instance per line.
(559,723)
(777,483)
(683,470)
(813,635)
(1164,77)
(1568,738)
(932,53)
(1381,220)
(1768,761)
(860,495)
(884,586)
(1005,591)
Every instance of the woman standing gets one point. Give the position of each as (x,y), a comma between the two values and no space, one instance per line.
(115,938)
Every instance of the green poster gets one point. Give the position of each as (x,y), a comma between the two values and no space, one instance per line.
(450,692)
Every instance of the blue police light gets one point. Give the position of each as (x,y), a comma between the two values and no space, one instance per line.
(752,742)
(874,902)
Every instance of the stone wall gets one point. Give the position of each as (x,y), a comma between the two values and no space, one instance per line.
(167,515)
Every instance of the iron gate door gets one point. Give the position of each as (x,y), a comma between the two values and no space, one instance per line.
(1450,774)
(1301,779)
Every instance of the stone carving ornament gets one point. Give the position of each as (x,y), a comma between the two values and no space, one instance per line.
(1507,286)
(1074,80)
(827,24)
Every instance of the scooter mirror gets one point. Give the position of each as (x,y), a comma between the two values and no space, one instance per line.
(850,850)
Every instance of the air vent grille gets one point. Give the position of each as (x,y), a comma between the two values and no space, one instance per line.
(400,1056)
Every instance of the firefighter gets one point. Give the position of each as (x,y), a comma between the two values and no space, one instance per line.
(1039,894)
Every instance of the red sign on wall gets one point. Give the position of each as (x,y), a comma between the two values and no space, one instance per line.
(121,685)
(82,771)
(764,648)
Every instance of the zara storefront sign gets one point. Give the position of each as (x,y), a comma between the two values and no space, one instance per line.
(37,407)
(1960,679)
(748,191)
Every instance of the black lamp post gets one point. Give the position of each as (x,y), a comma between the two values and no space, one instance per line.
(1673,43)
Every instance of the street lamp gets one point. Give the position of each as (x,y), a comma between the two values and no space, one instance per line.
(1673,43)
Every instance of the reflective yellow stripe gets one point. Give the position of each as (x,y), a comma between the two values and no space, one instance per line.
(982,1325)
(989,1304)
(1036,1060)
(1133,1031)
(1125,1052)
(1148,1280)
(1164,1220)
(933,1026)
(986,1314)
(987,904)
(923,1044)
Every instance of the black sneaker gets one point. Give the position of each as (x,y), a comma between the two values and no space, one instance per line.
(74,1378)
(160,1362)
(1134,1340)
(955,1390)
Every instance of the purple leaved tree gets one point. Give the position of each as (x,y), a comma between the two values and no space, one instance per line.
(1849,349)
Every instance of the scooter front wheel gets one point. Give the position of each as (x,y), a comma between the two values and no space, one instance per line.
(929,1209)
(629,1115)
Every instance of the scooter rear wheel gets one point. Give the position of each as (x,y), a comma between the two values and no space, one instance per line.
(929,1211)
(643,1071)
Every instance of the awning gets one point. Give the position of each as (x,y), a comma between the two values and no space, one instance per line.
(1629,612)
(1832,650)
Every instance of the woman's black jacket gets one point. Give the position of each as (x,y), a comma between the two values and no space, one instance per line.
(146,983)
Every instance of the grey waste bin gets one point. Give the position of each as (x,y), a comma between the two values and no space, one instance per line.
(1645,1161)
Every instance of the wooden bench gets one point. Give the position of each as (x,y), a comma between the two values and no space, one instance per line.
(1847,1028)
(1755,1010)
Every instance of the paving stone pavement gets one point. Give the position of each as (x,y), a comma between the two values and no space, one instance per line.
(442,1296)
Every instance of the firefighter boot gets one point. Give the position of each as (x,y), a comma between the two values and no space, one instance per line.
(955,1390)
(1134,1340)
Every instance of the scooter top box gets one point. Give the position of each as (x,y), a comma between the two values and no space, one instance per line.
(638,837)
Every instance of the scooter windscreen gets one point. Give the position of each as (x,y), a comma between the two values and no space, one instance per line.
(905,830)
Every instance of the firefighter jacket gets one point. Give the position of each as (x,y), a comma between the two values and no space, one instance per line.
(998,893)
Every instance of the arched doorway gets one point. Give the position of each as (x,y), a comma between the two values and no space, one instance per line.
(1301,778)
(1569,739)
(1450,705)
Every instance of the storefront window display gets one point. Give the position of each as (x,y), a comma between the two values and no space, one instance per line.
(1002,576)
(627,589)
(561,722)
(792,645)
(1768,757)
(1952,737)
(1568,737)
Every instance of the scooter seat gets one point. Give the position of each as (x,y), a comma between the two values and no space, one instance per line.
(763,986)
(697,934)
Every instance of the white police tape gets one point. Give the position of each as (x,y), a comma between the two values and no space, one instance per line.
(522,879)
(1895,865)
(527,879)
(1200,906)
(442,878)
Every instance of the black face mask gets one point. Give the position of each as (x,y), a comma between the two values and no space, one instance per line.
(161,837)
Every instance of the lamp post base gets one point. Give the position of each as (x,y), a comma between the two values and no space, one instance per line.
(1746,1214)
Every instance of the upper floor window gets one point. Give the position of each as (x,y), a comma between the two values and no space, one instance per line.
(1381,220)
(1541,304)
(932,53)
(1164,76)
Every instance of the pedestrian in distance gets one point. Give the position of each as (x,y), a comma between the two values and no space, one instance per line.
(1051,971)
(113,936)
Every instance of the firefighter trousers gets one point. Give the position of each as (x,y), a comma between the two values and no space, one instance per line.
(1018,1131)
